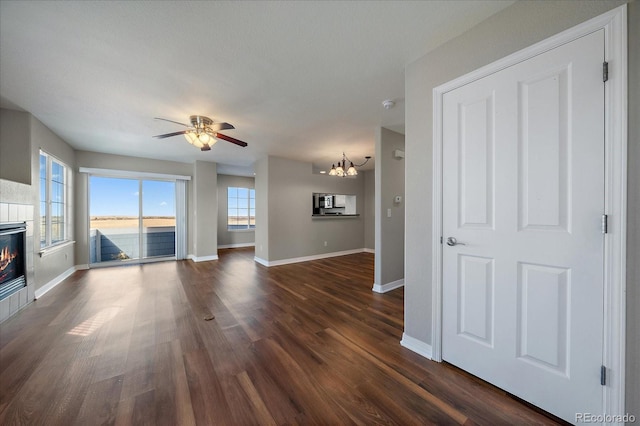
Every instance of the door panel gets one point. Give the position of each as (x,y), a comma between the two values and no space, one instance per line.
(523,192)
(544,187)
(476,299)
(114,219)
(476,177)
(543,296)
(158,218)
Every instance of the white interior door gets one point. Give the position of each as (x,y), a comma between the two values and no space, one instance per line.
(523,195)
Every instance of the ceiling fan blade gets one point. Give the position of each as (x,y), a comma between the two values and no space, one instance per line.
(168,135)
(221,126)
(230,139)
(171,121)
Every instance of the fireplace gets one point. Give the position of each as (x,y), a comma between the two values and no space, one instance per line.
(12,258)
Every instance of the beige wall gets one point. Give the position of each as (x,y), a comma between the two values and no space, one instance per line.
(516,27)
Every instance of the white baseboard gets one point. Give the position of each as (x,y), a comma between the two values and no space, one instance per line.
(388,286)
(417,346)
(195,258)
(82,267)
(306,258)
(236,245)
(261,261)
(368,250)
(54,282)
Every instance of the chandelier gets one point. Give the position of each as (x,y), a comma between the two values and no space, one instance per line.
(342,171)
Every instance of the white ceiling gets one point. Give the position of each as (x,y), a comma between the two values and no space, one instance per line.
(300,80)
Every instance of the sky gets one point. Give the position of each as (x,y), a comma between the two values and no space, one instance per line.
(120,197)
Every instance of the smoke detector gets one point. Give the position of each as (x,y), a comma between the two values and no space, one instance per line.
(388,104)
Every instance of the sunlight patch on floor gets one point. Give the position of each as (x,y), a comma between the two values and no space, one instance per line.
(88,326)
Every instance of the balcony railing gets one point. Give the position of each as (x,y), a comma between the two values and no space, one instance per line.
(114,244)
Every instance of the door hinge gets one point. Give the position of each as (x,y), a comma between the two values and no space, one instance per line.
(605,223)
(605,71)
(603,375)
(440,240)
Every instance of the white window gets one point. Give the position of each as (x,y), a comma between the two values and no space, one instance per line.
(241,208)
(53,200)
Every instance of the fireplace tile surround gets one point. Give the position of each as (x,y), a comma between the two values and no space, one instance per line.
(14,207)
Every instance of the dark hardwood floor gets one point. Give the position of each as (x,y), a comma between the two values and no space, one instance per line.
(307,343)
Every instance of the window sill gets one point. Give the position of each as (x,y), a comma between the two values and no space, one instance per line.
(54,248)
(242,230)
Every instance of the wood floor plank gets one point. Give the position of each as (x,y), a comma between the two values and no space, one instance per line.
(207,396)
(259,407)
(306,343)
(305,393)
(406,382)
(144,410)
(100,404)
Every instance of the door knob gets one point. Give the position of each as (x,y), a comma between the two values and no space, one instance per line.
(451,241)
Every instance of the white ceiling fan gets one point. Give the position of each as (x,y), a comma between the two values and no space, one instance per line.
(202,132)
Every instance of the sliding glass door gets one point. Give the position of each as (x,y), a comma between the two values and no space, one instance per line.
(131,219)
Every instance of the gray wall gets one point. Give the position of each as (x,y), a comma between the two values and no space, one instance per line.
(205,210)
(49,267)
(293,232)
(261,235)
(135,164)
(226,237)
(369,209)
(516,27)
(29,135)
(633,215)
(389,239)
(15,149)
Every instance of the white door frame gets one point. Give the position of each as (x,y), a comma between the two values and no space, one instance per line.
(614,24)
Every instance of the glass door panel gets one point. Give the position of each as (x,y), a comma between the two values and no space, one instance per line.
(158,219)
(114,219)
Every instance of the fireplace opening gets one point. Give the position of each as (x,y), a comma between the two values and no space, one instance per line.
(12,258)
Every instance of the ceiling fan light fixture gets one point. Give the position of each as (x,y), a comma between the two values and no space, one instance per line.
(191,137)
(203,132)
(204,138)
(200,139)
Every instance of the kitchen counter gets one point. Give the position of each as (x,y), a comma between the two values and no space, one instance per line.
(333,215)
